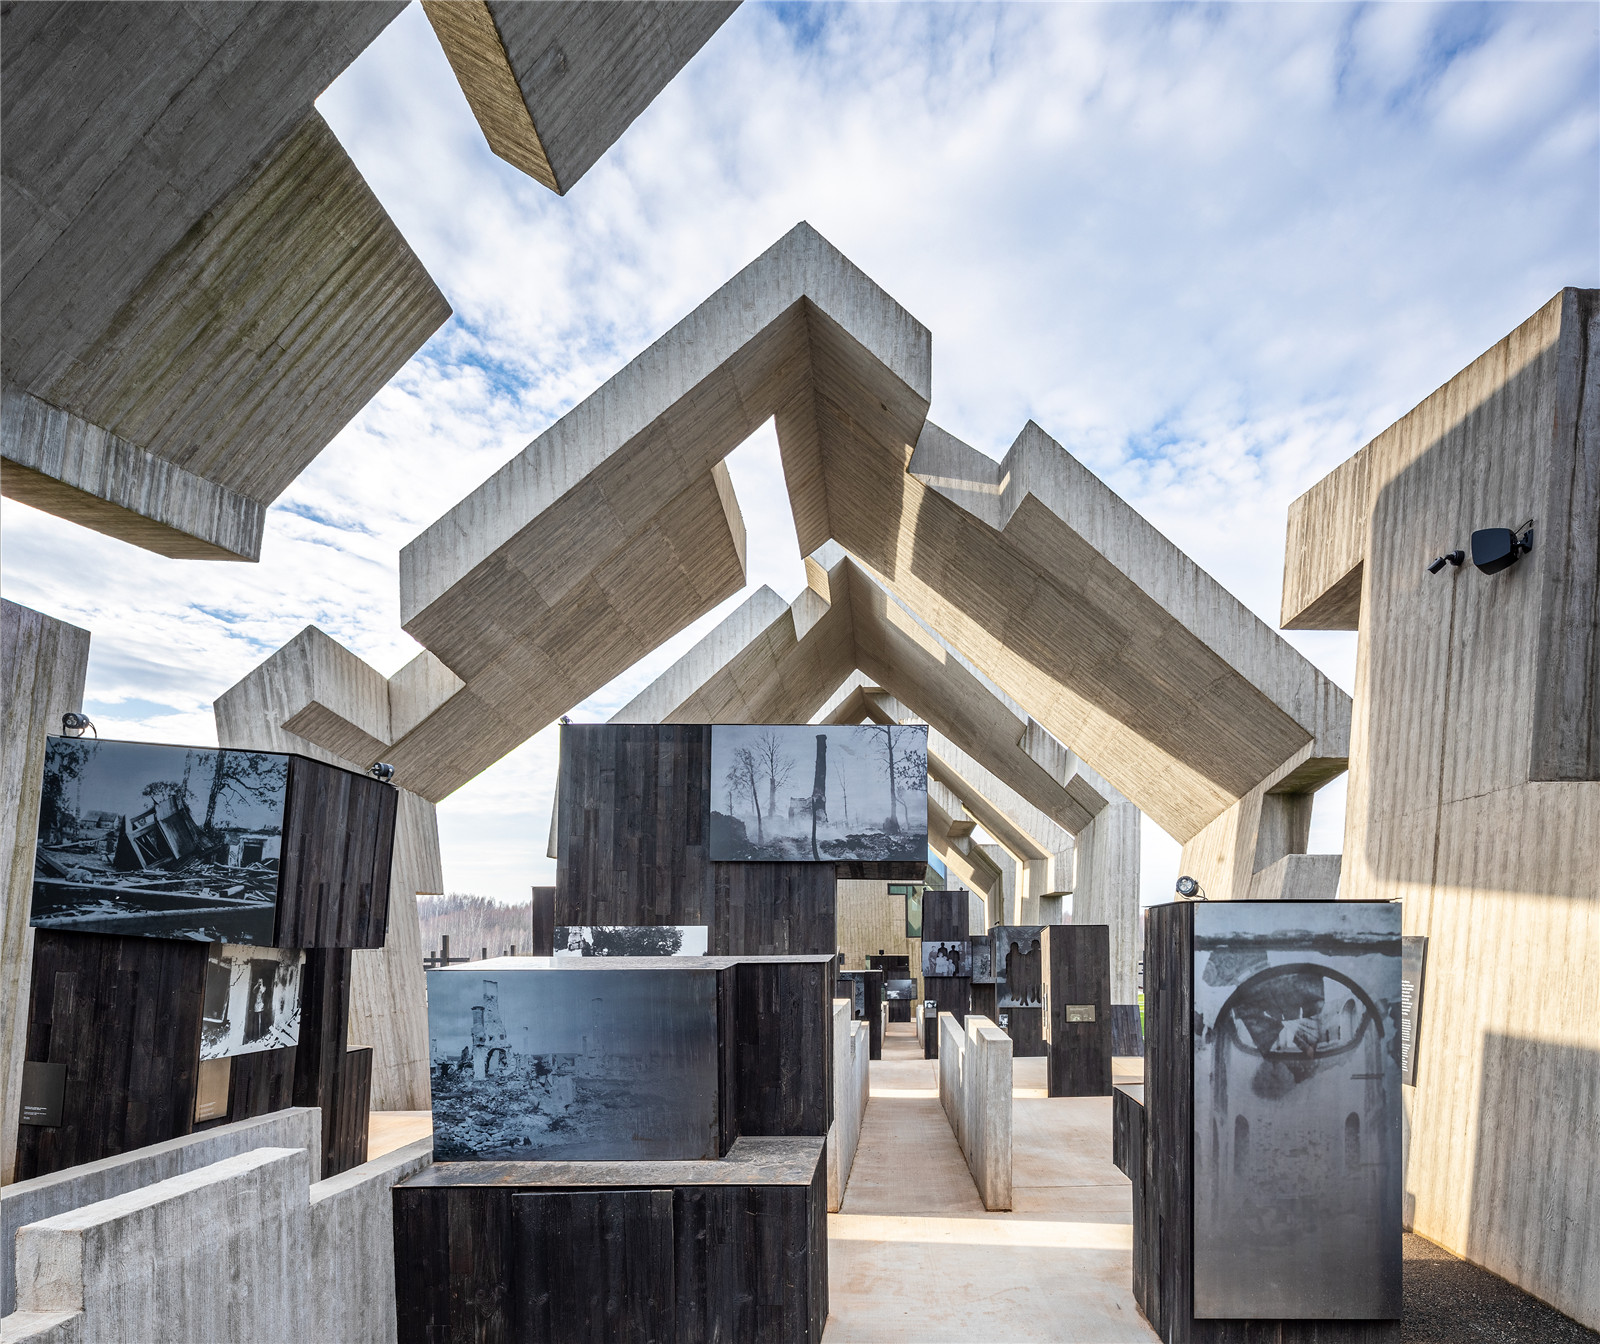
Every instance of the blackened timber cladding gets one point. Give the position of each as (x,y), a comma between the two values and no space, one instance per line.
(1076,972)
(633,807)
(333,882)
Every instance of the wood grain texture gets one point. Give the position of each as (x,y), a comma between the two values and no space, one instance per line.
(783,1047)
(870,920)
(1076,966)
(259,1083)
(327,1074)
(594,1266)
(945,915)
(543,923)
(951,992)
(333,883)
(773,909)
(873,1004)
(1025,1026)
(748,1259)
(123,1014)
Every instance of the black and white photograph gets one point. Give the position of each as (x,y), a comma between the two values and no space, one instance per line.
(981,959)
(1297,1109)
(146,840)
(1018,966)
(945,958)
(252,1000)
(819,792)
(854,988)
(562,1063)
(615,940)
(900,990)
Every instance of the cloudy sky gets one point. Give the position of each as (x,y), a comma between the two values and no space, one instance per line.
(1211,249)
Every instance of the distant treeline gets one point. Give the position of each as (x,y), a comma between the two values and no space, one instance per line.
(474,923)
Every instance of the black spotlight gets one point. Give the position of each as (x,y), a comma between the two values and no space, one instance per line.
(73,725)
(1448,558)
(1497,548)
(382,772)
(1189,890)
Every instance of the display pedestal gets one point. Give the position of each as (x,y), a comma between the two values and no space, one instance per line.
(550,1252)
(1077,1008)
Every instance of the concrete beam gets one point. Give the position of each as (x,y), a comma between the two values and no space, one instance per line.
(43,663)
(1047,582)
(200,289)
(554,86)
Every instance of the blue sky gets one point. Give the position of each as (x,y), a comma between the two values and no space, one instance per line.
(1211,249)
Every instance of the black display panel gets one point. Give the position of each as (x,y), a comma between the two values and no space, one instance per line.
(1017,966)
(819,793)
(146,840)
(573,1064)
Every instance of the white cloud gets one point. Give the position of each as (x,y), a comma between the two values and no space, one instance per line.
(1211,249)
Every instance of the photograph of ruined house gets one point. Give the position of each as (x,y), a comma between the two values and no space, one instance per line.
(819,793)
(147,840)
(1297,1109)
(573,1064)
(611,940)
(252,1000)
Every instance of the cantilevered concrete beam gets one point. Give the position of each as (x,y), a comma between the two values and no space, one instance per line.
(200,290)
(1050,584)
(554,85)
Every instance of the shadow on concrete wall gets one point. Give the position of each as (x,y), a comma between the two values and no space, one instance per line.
(1535,1170)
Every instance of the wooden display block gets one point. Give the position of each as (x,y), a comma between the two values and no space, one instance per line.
(514,1252)
(1076,969)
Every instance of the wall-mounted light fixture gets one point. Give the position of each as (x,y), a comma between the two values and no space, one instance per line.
(1448,558)
(383,773)
(1189,890)
(1497,548)
(72,725)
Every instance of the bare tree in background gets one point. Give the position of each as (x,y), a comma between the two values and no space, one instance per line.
(775,764)
(904,765)
(744,776)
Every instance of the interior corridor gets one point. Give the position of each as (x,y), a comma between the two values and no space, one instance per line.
(914,1256)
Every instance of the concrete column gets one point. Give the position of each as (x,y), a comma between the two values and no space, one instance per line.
(43,662)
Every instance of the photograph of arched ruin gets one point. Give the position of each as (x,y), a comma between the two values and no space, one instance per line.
(585,1065)
(824,793)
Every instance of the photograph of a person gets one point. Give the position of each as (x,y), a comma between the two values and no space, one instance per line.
(819,793)
(982,959)
(252,1000)
(945,958)
(614,940)
(1019,979)
(1297,1108)
(147,840)
(573,1064)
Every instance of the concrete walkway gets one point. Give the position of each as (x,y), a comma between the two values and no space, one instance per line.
(914,1256)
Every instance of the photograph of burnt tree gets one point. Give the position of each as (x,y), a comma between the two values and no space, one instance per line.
(154,841)
(819,793)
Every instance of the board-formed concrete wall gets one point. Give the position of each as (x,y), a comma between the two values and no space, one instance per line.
(1473,792)
(43,663)
(42,1197)
(975,1091)
(852,1050)
(245,1248)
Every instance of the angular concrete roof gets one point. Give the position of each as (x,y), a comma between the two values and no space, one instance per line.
(1033,568)
(553,85)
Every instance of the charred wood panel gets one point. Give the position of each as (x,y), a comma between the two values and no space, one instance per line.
(351,1107)
(454,1264)
(321,1059)
(593,1266)
(944,915)
(333,879)
(633,801)
(783,1047)
(774,909)
(261,1082)
(123,1014)
(543,931)
(982,998)
(890,870)
(1025,1026)
(1077,1009)
(953,994)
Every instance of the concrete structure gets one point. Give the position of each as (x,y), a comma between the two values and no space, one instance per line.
(615,528)
(43,1197)
(200,289)
(246,1248)
(975,1091)
(554,85)
(316,697)
(851,1086)
(1473,796)
(42,666)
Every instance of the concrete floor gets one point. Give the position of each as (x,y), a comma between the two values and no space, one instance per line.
(388,1130)
(913,1254)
